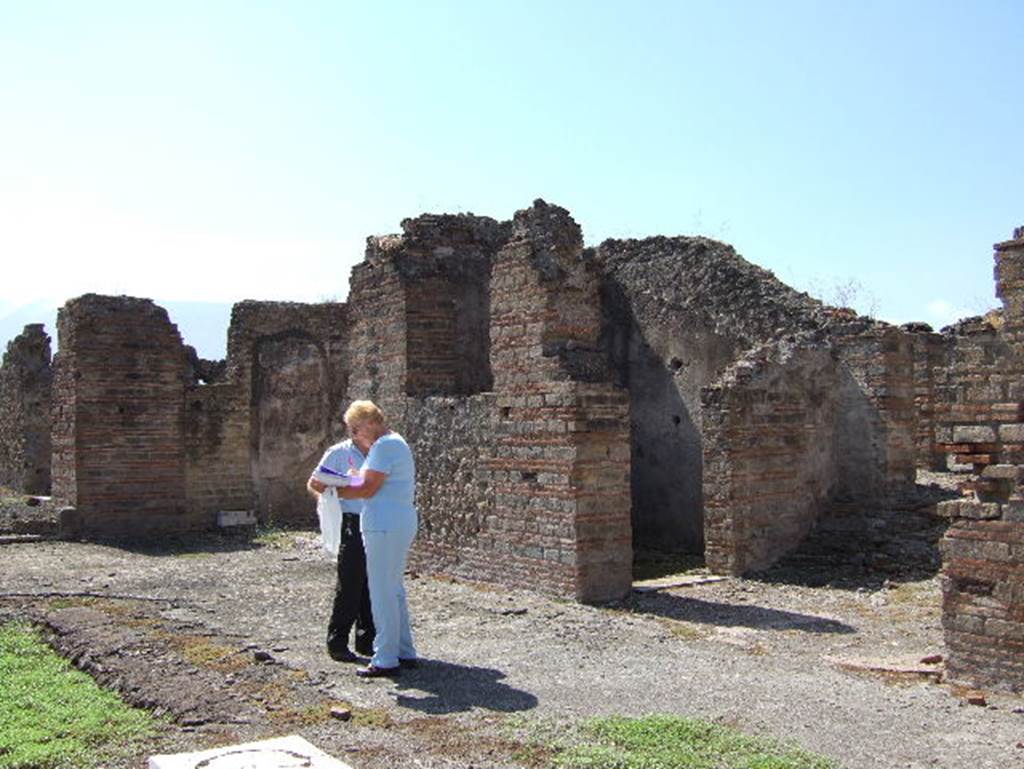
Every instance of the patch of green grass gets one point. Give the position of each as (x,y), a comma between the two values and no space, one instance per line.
(273,537)
(686,631)
(669,742)
(53,716)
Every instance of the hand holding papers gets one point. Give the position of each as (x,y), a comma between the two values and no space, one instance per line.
(329,477)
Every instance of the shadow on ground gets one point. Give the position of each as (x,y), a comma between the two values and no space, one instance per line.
(203,542)
(732,615)
(438,688)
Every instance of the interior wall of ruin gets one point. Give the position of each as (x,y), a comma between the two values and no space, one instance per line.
(770,453)
(290,364)
(876,427)
(679,312)
(26,379)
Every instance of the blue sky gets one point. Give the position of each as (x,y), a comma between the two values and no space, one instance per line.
(217,151)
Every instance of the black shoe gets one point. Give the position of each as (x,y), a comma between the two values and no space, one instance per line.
(342,655)
(409,664)
(372,671)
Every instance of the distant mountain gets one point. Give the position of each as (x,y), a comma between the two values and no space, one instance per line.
(204,325)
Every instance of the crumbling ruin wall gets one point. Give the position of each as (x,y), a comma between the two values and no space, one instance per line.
(526,484)
(420,304)
(288,373)
(420,347)
(26,379)
(983,550)
(770,453)
(510,356)
(135,431)
(118,416)
(679,312)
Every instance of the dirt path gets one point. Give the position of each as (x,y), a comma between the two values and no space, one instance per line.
(226,638)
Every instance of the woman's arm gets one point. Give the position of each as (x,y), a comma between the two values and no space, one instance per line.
(372,481)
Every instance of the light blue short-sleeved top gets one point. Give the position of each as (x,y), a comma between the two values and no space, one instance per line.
(392,507)
(342,457)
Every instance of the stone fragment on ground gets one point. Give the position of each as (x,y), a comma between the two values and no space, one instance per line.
(277,753)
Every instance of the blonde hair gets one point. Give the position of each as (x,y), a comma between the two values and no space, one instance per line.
(363,411)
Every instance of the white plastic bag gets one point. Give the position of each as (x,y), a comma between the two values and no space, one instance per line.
(328,510)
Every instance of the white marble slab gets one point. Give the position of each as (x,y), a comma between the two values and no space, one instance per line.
(291,752)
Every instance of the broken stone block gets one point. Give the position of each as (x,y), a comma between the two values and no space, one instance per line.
(966,508)
(277,753)
(973,434)
(227,519)
(1008,472)
(1011,433)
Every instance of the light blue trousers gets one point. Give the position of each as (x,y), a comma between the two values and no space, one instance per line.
(386,555)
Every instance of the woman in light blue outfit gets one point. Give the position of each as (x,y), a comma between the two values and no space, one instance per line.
(388,524)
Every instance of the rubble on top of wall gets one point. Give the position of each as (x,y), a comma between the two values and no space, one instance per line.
(709,281)
(439,244)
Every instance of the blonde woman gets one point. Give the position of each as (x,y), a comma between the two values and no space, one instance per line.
(388,523)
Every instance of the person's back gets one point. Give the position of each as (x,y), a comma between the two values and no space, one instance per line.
(393,506)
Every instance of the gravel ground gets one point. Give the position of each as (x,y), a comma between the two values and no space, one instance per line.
(771,658)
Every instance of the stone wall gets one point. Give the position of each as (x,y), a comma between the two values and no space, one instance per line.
(288,365)
(679,311)
(568,401)
(770,454)
(876,429)
(25,381)
(561,465)
(527,484)
(983,550)
(119,455)
(217,450)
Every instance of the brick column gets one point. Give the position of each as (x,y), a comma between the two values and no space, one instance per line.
(561,465)
(118,422)
(983,550)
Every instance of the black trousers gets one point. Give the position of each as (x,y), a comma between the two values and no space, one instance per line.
(352,593)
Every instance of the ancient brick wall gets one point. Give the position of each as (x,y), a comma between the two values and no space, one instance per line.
(217,449)
(983,550)
(26,379)
(770,454)
(679,311)
(421,310)
(525,484)
(453,442)
(876,429)
(118,437)
(289,365)
(377,342)
(561,463)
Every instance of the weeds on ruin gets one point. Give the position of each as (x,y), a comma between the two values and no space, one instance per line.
(665,742)
(53,716)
